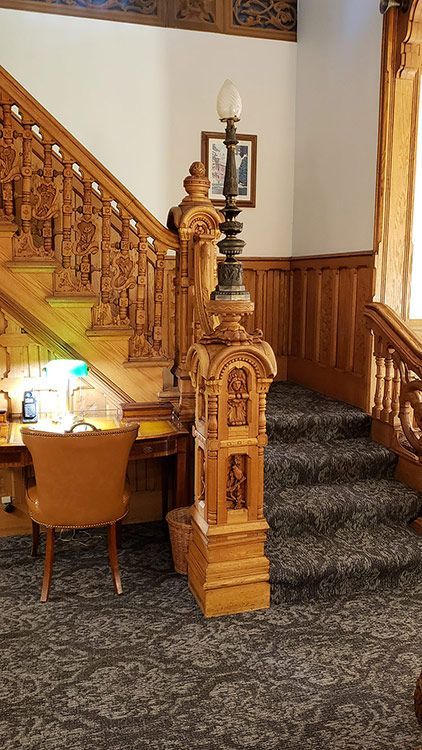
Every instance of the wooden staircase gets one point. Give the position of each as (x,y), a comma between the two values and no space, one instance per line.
(82,261)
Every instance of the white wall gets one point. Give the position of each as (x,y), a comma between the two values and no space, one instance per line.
(339,53)
(138,98)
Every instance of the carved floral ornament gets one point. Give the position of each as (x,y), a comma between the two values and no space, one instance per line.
(276,19)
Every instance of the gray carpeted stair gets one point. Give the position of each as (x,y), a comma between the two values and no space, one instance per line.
(338,520)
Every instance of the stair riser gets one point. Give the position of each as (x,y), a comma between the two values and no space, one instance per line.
(317,429)
(292,471)
(288,521)
(329,589)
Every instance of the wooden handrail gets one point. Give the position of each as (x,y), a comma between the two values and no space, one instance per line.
(395,329)
(87,161)
(398,391)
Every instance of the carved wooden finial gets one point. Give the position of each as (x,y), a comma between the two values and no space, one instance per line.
(196,185)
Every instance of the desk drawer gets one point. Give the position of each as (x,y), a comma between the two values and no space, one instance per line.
(154,449)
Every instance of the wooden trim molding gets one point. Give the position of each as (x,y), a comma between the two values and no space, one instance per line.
(270,20)
(399,107)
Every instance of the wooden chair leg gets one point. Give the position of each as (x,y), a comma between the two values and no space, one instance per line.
(113,559)
(48,565)
(119,534)
(35,538)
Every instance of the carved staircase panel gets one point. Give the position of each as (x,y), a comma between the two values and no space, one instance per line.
(71,217)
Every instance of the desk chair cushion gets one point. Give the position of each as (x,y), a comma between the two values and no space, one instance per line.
(79,477)
(33,503)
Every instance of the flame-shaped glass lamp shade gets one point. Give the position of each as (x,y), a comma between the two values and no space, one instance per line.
(229,103)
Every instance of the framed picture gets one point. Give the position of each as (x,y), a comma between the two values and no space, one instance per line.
(214,155)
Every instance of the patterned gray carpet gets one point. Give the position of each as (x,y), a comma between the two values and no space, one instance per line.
(144,671)
(338,519)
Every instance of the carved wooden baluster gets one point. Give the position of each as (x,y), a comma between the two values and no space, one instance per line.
(212,475)
(23,244)
(125,270)
(157,345)
(87,230)
(139,346)
(183,335)
(380,371)
(395,400)
(46,195)
(8,159)
(26,171)
(388,386)
(102,316)
(67,211)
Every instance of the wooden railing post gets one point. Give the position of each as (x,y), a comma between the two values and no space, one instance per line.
(231,371)
(197,223)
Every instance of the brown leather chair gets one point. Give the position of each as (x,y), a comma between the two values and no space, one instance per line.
(79,483)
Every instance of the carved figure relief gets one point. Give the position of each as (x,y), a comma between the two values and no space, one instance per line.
(196,10)
(140,347)
(237,405)
(265,14)
(44,200)
(7,160)
(85,244)
(122,271)
(236,483)
(25,247)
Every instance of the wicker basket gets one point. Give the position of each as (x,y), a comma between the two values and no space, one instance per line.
(179,521)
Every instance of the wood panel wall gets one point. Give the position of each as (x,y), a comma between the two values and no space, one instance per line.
(268,281)
(329,346)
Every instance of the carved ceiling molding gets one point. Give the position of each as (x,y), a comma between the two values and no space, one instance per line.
(271,19)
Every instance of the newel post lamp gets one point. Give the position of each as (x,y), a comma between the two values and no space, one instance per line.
(231,371)
(230,285)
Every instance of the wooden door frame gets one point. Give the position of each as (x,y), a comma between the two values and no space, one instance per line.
(399,108)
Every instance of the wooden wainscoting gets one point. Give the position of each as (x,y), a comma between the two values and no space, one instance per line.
(329,346)
(268,281)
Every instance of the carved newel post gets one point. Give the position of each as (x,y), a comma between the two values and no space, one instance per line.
(231,372)
(197,222)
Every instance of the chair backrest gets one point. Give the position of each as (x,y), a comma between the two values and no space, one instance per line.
(80,476)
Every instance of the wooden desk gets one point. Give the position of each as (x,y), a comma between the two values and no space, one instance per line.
(156,439)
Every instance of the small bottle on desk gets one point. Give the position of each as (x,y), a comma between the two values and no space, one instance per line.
(29,407)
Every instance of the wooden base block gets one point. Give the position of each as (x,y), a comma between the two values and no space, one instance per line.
(228,571)
(232,600)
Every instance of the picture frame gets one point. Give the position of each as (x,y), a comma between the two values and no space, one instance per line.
(214,155)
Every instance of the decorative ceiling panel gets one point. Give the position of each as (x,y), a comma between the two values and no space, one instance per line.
(271,19)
